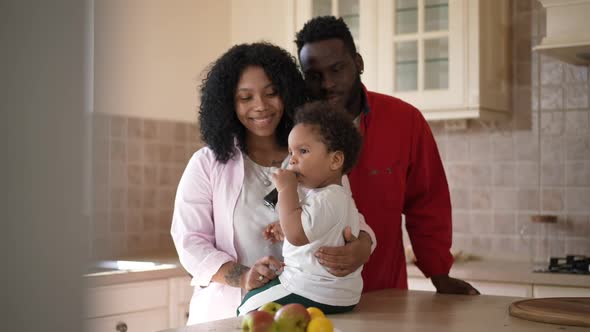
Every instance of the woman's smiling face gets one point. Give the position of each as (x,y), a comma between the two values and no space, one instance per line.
(259,106)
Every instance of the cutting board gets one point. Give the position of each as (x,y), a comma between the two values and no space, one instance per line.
(573,311)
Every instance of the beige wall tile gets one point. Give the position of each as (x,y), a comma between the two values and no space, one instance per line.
(150,129)
(527,146)
(480,148)
(134,175)
(505,199)
(457,148)
(118,150)
(481,223)
(150,175)
(577,123)
(117,221)
(553,148)
(577,174)
(580,224)
(551,97)
(135,128)
(577,199)
(134,220)
(577,147)
(481,199)
(460,198)
(552,200)
(528,199)
(481,174)
(552,174)
(150,198)
(504,174)
(134,152)
(576,96)
(134,195)
(505,223)
(459,175)
(527,174)
(551,70)
(553,123)
(503,147)
(118,198)
(118,127)
(575,73)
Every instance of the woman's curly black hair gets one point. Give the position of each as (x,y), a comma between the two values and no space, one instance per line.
(217,113)
(323,28)
(336,130)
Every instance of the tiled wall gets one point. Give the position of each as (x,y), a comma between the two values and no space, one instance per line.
(499,175)
(138,163)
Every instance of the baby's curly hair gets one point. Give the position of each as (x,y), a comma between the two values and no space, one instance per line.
(336,130)
(323,28)
(217,113)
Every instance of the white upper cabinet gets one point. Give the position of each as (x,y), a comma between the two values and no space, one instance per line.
(449,58)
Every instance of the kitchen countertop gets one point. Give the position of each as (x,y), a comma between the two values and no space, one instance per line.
(508,271)
(475,270)
(398,310)
(171,268)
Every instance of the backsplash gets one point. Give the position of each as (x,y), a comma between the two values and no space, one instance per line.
(494,169)
(138,163)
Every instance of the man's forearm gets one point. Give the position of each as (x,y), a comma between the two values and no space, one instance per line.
(230,274)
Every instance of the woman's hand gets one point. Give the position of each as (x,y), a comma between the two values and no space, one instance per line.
(264,270)
(342,261)
(273,233)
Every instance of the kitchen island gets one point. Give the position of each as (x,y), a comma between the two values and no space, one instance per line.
(399,310)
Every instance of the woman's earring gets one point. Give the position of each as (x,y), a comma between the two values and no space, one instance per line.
(361,72)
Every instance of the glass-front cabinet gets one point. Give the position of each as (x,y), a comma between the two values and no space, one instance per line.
(449,58)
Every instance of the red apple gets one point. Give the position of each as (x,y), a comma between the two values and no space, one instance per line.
(292,317)
(259,321)
(271,307)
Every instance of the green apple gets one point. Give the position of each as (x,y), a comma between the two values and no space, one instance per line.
(271,307)
(259,321)
(292,317)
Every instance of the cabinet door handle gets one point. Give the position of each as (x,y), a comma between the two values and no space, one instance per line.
(121,327)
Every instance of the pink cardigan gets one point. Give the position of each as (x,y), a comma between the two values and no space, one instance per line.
(203,233)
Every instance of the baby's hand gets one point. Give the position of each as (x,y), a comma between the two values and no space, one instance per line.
(284,179)
(273,232)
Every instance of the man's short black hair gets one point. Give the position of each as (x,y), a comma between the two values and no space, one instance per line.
(336,130)
(324,28)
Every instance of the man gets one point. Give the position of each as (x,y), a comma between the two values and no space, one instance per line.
(399,170)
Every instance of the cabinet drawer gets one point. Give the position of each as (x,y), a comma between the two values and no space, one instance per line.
(502,288)
(557,291)
(129,297)
(421,284)
(145,321)
(183,288)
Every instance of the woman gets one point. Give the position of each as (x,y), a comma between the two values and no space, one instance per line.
(247,100)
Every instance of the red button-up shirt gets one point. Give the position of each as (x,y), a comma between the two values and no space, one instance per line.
(400,171)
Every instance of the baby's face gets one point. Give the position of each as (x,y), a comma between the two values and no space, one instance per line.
(310,159)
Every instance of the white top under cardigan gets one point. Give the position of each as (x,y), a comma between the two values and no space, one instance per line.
(203,233)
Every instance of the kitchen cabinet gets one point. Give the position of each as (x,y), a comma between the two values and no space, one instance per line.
(484,287)
(449,58)
(180,296)
(138,306)
(146,321)
(560,291)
